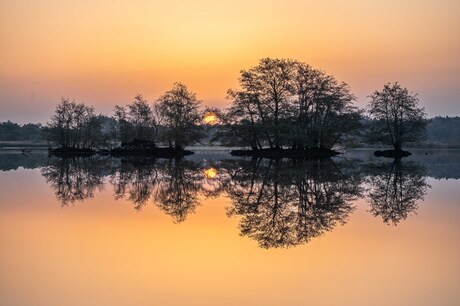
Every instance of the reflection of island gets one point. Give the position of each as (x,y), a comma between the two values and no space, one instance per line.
(135,180)
(177,192)
(173,185)
(286,203)
(281,203)
(74,179)
(395,189)
(15,159)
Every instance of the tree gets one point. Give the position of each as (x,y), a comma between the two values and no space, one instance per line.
(398,119)
(72,125)
(137,121)
(323,110)
(286,103)
(179,116)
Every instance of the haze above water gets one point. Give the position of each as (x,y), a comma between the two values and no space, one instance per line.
(217,230)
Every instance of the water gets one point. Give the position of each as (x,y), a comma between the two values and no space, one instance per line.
(216,230)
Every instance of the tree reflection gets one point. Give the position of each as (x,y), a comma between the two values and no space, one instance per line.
(286,203)
(135,180)
(74,179)
(173,185)
(395,189)
(177,192)
(281,203)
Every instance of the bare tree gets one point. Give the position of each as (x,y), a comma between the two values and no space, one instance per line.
(136,122)
(286,103)
(72,125)
(398,119)
(180,118)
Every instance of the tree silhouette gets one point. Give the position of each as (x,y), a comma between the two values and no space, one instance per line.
(398,119)
(137,121)
(286,103)
(73,125)
(180,118)
(395,189)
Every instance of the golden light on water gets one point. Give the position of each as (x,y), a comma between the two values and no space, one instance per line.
(210,173)
(210,118)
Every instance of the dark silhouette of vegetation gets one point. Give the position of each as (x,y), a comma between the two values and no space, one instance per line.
(12,160)
(279,202)
(73,127)
(74,179)
(180,117)
(395,189)
(398,119)
(135,180)
(136,122)
(443,132)
(136,129)
(180,184)
(285,203)
(173,185)
(283,108)
(283,104)
(10,131)
(174,120)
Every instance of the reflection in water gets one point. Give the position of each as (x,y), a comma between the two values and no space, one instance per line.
(173,185)
(286,203)
(395,189)
(281,203)
(135,180)
(180,183)
(74,179)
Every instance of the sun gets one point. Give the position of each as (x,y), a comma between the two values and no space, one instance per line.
(210,118)
(210,173)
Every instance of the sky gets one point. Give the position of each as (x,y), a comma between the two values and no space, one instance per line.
(105,52)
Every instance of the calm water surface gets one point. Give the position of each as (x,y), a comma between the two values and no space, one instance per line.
(216,230)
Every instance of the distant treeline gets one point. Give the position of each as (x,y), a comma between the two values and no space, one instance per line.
(441,132)
(10,131)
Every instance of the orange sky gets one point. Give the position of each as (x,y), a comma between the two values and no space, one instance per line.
(105,52)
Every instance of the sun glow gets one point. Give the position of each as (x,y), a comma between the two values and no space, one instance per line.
(210,173)
(210,118)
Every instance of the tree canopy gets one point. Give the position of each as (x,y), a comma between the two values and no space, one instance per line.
(136,121)
(286,103)
(73,125)
(179,117)
(398,118)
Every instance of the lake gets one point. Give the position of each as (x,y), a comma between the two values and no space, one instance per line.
(217,230)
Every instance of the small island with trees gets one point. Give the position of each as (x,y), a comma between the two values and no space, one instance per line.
(132,130)
(286,108)
(283,108)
